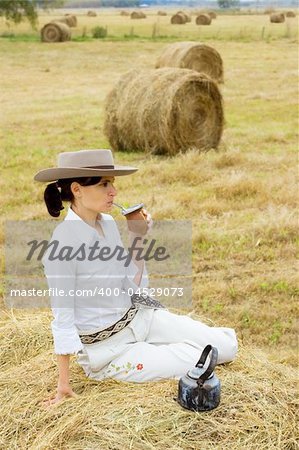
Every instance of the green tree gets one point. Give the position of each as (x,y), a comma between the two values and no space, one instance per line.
(18,10)
(228,3)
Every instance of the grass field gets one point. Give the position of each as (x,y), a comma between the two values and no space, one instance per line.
(244,28)
(242,200)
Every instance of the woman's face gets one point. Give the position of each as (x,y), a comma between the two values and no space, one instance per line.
(98,197)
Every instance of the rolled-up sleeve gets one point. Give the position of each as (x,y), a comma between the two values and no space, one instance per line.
(61,278)
(66,338)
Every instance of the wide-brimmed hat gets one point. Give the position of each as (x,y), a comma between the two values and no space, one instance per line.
(84,163)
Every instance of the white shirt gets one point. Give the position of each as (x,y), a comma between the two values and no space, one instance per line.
(94,295)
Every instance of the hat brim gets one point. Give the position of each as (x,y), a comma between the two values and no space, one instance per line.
(59,173)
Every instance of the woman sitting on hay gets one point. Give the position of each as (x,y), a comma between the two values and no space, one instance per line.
(122,335)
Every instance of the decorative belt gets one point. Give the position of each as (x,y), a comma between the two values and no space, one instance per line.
(138,302)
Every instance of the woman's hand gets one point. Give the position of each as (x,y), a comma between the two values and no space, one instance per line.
(62,393)
(139,223)
(148,219)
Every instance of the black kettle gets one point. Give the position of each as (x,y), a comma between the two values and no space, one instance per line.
(199,390)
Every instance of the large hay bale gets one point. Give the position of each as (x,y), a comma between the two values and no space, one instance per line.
(73,22)
(277,18)
(290,14)
(188,16)
(68,20)
(164,111)
(178,19)
(162,13)
(194,56)
(138,15)
(55,32)
(92,14)
(203,19)
(212,14)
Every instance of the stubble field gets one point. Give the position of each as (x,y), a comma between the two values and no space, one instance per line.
(242,200)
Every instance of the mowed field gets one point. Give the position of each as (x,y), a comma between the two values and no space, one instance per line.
(247,27)
(242,200)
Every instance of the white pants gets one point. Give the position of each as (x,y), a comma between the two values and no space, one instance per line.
(157,344)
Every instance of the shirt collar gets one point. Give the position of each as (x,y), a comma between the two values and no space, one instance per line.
(71,215)
(85,232)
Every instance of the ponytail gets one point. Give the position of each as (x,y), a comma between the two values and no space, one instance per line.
(53,200)
(60,191)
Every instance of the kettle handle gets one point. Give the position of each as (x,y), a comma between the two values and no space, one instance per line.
(211,366)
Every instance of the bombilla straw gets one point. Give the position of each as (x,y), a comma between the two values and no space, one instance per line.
(119,206)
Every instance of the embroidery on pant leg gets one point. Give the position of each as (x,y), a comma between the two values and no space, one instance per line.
(128,367)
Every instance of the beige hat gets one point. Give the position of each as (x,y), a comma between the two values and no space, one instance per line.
(84,163)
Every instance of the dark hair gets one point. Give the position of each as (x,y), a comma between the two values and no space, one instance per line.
(56,193)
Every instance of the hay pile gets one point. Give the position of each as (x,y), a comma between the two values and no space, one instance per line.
(164,111)
(55,32)
(277,18)
(194,56)
(69,20)
(138,15)
(161,13)
(92,14)
(124,13)
(178,19)
(203,19)
(258,408)
(290,14)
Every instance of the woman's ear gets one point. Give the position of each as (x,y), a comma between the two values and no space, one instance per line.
(76,189)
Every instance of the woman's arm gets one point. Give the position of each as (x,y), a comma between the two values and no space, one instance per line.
(139,263)
(63,387)
(61,277)
(63,362)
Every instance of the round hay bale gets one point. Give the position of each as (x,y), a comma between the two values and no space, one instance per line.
(55,32)
(178,19)
(164,111)
(162,13)
(124,13)
(138,15)
(290,14)
(135,15)
(92,14)
(73,22)
(277,18)
(68,20)
(194,56)
(212,14)
(187,16)
(203,19)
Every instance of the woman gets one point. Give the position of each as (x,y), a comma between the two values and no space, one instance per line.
(112,332)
